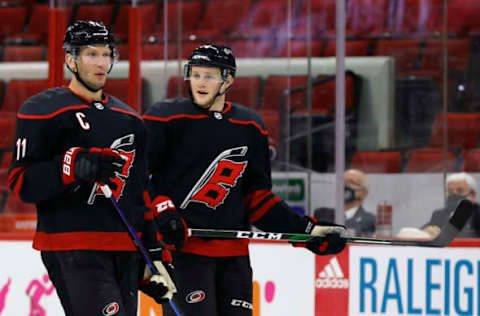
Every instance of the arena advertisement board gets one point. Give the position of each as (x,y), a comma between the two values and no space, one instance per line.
(414,281)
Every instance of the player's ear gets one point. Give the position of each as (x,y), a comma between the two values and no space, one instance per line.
(229,81)
(69,60)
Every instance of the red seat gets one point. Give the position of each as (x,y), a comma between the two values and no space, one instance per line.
(173,87)
(430,160)
(190,11)
(463,130)
(6,160)
(377,161)
(14,53)
(95,12)
(7,132)
(459,51)
(418,17)
(189,46)
(18,91)
(463,17)
(246,91)
(322,16)
(352,48)
(406,53)
(298,48)
(471,160)
(253,48)
(367,16)
(236,11)
(323,94)
(117,88)
(155,51)
(13,19)
(275,87)
(272,124)
(265,17)
(149,13)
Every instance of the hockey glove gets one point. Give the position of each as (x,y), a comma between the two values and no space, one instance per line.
(91,165)
(328,237)
(169,223)
(161,287)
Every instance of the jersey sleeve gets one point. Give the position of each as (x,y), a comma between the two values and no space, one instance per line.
(35,173)
(266,210)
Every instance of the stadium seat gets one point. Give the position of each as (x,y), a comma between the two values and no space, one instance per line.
(463,130)
(417,18)
(322,17)
(367,17)
(323,94)
(274,88)
(155,51)
(149,13)
(100,11)
(117,88)
(265,17)
(172,87)
(18,91)
(459,52)
(298,48)
(377,161)
(406,53)
(246,91)
(189,46)
(190,10)
(352,48)
(236,11)
(17,53)
(7,132)
(463,17)
(430,160)
(471,160)
(13,19)
(252,48)
(6,160)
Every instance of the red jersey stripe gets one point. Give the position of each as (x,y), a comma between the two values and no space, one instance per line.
(15,174)
(255,216)
(126,112)
(264,132)
(174,117)
(47,116)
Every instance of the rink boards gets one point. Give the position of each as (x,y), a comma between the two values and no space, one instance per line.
(362,280)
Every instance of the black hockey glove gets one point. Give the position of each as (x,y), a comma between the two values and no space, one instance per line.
(169,223)
(161,287)
(328,237)
(91,165)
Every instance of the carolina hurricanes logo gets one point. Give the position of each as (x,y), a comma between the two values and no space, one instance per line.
(111,309)
(121,177)
(214,185)
(195,297)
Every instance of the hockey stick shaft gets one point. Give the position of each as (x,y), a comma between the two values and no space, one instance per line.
(138,243)
(448,232)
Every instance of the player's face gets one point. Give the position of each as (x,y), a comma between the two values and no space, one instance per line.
(93,65)
(205,83)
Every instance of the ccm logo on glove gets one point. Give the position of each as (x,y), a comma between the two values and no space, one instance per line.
(165,205)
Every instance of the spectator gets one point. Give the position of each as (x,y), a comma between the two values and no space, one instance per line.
(458,186)
(358,221)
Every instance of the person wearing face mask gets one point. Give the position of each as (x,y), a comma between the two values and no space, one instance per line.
(458,186)
(358,221)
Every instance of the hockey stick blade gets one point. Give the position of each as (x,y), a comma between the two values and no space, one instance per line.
(448,233)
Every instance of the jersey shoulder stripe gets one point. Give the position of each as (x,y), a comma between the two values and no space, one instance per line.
(119,106)
(243,115)
(172,109)
(49,103)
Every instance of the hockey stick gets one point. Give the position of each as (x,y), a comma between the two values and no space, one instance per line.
(138,243)
(449,231)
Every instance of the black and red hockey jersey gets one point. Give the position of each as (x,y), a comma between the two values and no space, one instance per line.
(216,168)
(79,216)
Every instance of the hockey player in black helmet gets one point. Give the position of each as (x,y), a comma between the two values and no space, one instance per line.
(211,157)
(70,141)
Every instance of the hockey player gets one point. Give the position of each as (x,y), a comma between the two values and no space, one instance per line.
(212,158)
(70,140)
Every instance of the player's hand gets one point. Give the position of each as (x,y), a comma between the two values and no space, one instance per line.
(169,223)
(161,287)
(328,237)
(91,165)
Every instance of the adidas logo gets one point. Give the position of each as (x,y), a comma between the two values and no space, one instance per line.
(331,277)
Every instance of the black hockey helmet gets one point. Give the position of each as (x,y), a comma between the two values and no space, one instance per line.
(84,33)
(210,55)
